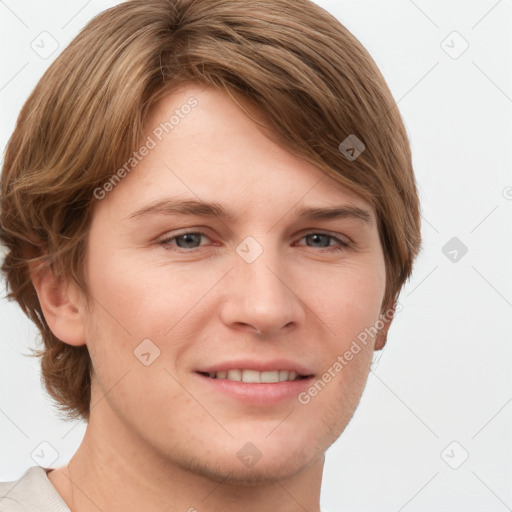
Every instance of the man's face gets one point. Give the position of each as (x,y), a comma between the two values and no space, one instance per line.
(268,289)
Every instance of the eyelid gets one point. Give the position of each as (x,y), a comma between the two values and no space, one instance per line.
(166,239)
(343,239)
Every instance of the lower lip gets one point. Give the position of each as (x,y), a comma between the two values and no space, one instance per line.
(259,394)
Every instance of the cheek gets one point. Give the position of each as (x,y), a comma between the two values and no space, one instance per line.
(349,306)
(141,298)
(347,298)
(134,301)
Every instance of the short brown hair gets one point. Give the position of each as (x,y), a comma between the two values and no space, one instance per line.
(305,71)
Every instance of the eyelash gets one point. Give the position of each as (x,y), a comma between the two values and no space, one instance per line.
(166,243)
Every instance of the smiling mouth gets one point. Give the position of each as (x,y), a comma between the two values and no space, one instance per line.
(255,377)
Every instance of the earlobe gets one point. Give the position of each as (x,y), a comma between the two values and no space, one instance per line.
(60,303)
(380,342)
(386,319)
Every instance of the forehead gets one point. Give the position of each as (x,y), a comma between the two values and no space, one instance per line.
(204,147)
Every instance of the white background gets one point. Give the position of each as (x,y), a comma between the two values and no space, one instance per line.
(445,374)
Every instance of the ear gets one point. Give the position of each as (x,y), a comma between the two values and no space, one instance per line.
(61,305)
(387,317)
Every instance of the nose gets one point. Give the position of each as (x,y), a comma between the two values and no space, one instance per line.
(260,297)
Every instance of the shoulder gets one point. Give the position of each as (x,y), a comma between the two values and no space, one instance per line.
(32,491)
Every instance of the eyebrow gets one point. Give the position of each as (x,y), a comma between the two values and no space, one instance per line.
(172,206)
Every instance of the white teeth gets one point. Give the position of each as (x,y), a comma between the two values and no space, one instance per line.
(234,375)
(270,377)
(251,376)
(255,377)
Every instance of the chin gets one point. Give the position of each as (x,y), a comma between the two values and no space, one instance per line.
(267,470)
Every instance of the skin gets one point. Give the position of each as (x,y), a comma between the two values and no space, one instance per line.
(158,437)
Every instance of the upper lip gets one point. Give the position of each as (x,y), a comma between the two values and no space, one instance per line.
(260,366)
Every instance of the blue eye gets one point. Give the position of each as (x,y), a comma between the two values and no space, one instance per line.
(324,241)
(192,240)
(185,241)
